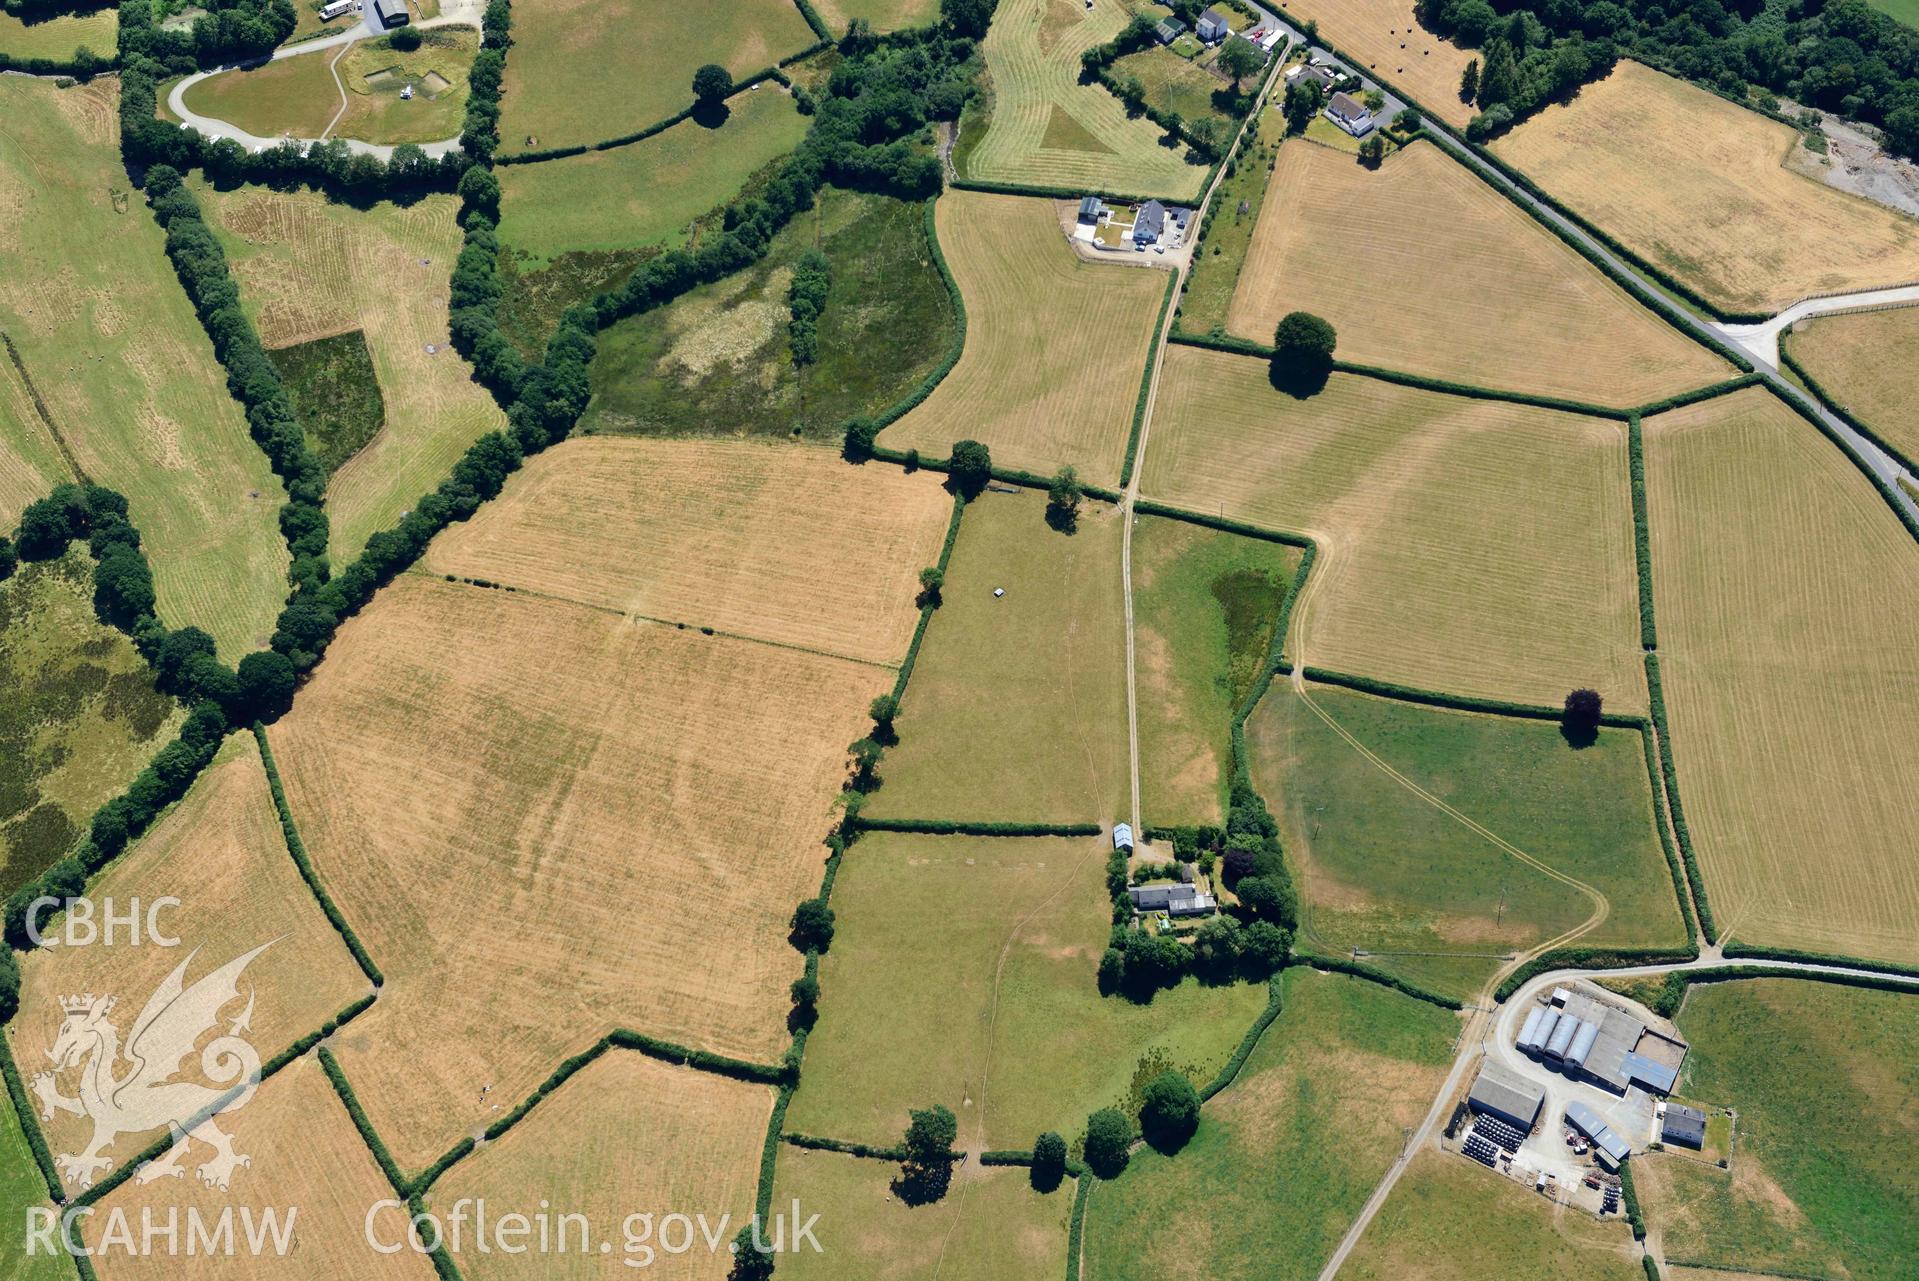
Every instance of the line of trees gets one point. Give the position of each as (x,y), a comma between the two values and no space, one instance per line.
(1524,64)
(806,299)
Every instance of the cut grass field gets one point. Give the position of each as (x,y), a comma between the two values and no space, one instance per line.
(1450,1219)
(30,461)
(91,306)
(884,15)
(304,1153)
(299,97)
(1205,605)
(1788,604)
(1862,361)
(1466,546)
(58,37)
(1055,345)
(220,852)
(1288,1154)
(628,1135)
(1341,240)
(1181,85)
(1821,1179)
(716,539)
(1003,1022)
(1016,711)
(1696,186)
(1049,130)
(991,1225)
(1385,870)
(79,720)
(500,789)
(582,72)
(22,1190)
(311,269)
(1221,253)
(719,360)
(1389,42)
(648,192)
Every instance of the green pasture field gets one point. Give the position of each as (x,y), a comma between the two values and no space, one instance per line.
(1001,1020)
(97,317)
(1450,1219)
(336,393)
(30,462)
(884,15)
(582,72)
(1016,711)
(1205,604)
(648,192)
(21,1187)
(1385,870)
(1287,1155)
(1222,252)
(1822,1181)
(1906,11)
(990,1226)
(298,96)
(717,361)
(79,719)
(533,296)
(60,36)
(1179,84)
(1041,126)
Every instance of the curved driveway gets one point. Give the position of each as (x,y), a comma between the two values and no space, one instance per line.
(453,13)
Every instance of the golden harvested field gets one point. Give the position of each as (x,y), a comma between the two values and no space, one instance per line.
(1055,345)
(310,269)
(584,71)
(628,1135)
(1865,362)
(885,15)
(97,317)
(1464,545)
(1452,1220)
(990,1226)
(1501,301)
(221,853)
(710,533)
(1389,40)
(1002,1021)
(1047,129)
(1696,186)
(1016,711)
(1788,604)
(306,1158)
(547,821)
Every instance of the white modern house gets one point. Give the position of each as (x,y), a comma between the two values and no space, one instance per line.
(1212,27)
(1350,114)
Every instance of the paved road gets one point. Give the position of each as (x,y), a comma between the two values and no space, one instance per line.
(453,13)
(1761,341)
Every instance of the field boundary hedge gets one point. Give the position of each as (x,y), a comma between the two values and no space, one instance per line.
(1670,776)
(926,611)
(1461,702)
(870,1151)
(1076,1223)
(79,68)
(1146,382)
(1711,391)
(1760,952)
(541,154)
(1641,532)
(1588,958)
(1838,410)
(1068,193)
(1229,1071)
(1630,1195)
(1372,973)
(30,1125)
(297,849)
(945,827)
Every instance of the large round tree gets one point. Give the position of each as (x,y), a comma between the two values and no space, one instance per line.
(711,85)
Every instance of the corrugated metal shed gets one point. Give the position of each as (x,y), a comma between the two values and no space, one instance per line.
(1529,1035)
(1647,1072)
(1546,1026)
(1507,1095)
(1684,1126)
(1582,1043)
(1594,1127)
(1562,1037)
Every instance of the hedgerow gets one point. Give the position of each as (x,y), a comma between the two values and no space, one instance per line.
(23,1108)
(1657,697)
(1588,958)
(1641,532)
(1460,702)
(1372,973)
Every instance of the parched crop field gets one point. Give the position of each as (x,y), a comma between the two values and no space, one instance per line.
(1466,546)
(1441,883)
(1017,707)
(1288,1154)
(1047,129)
(1055,345)
(1501,301)
(221,853)
(582,72)
(1696,186)
(1860,361)
(80,716)
(304,1152)
(630,805)
(1786,594)
(647,192)
(1822,1078)
(717,539)
(629,1135)
(311,269)
(992,1225)
(885,15)
(95,315)
(1386,37)
(1002,1021)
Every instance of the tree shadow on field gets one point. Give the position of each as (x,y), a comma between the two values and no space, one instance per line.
(1578,736)
(1299,379)
(710,115)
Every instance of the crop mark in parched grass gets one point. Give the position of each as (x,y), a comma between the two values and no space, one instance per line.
(40,407)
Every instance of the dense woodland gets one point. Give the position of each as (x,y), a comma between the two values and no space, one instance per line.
(1842,56)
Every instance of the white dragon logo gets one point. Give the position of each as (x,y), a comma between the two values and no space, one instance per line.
(146,1096)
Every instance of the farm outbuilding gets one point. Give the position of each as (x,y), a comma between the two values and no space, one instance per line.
(390,13)
(1684,1126)
(1174,900)
(1169,30)
(1123,837)
(1507,1095)
(1612,1150)
(1090,209)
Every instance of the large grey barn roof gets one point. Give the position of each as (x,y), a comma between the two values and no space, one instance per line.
(1506,1093)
